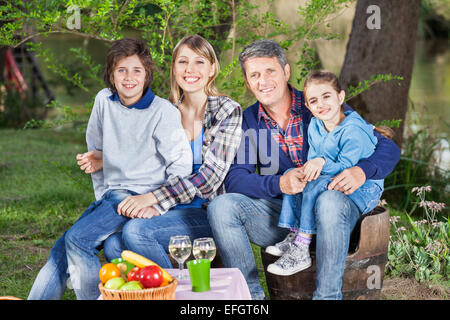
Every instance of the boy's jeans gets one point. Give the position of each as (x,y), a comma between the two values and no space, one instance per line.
(75,253)
(236,220)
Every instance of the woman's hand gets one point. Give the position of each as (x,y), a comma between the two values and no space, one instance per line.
(147,213)
(312,168)
(131,205)
(91,161)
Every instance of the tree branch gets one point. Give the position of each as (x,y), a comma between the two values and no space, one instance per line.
(86,35)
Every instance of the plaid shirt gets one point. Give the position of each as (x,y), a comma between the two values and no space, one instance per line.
(222,136)
(291,140)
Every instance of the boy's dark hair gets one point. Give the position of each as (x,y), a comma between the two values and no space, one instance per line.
(124,48)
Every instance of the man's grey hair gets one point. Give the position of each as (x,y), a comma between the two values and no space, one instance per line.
(262,49)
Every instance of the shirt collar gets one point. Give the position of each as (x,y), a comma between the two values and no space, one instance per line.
(296,104)
(143,103)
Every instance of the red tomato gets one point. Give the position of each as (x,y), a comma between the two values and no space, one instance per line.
(133,274)
(151,276)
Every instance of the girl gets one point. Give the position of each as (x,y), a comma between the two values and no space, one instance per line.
(337,140)
(212,123)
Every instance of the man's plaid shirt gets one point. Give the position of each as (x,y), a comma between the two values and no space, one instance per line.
(222,136)
(291,140)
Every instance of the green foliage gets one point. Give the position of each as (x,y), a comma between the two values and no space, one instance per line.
(17,109)
(228,24)
(353,91)
(417,166)
(420,249)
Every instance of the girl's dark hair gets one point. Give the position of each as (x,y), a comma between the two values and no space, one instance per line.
(322,76)
(124,48)
(328,77)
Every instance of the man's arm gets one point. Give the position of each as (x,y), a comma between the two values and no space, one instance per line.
(383,161)
(242,177)
(378,166)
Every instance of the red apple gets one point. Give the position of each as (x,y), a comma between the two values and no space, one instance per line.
(133,274)
(151,276)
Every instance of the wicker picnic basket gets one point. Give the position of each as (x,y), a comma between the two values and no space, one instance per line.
(161,293)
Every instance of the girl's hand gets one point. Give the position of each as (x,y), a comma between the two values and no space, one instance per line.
(91,161)
(312,168)
(131,205)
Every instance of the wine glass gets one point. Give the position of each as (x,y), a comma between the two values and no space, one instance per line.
(180,249)
(204,248)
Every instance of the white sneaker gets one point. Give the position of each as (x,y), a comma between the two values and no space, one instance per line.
(281,247)
(294,260)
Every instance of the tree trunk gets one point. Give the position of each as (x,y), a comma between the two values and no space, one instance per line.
(382,46)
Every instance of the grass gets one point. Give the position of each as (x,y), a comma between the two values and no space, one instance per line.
(42,193)
(38,200)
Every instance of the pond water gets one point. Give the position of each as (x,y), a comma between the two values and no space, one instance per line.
(430,93)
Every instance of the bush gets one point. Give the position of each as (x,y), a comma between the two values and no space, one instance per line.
(16,109)
(421,248)
(417,166)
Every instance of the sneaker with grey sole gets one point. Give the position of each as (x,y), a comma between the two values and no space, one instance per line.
(281,247)
(294,260)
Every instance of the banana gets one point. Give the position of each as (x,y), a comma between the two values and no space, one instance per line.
(141,262)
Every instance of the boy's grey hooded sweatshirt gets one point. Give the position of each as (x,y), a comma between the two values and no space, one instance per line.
(142,147)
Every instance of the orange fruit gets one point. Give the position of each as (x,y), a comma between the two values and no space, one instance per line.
(108,271)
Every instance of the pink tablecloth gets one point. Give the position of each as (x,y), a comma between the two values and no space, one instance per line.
(226,284)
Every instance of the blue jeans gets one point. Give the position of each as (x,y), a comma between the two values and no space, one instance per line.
(236,220)
(298,210)
(75,253)
(150,237)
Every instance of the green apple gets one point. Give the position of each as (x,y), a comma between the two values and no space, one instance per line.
(115,283)
(132,285)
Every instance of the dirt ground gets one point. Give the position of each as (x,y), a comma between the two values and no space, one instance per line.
(410,289)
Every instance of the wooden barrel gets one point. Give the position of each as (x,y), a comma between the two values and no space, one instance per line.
(364,265)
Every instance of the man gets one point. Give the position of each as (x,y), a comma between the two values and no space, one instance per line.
(274,140)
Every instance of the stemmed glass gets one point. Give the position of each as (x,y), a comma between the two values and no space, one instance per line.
(180,248)
(204,248)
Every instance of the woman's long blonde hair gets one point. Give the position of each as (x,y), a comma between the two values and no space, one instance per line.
(202,47)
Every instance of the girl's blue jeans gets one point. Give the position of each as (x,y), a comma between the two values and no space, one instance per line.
(74,255)
(298,210)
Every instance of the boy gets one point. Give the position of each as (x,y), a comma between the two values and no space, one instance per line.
(140,137)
